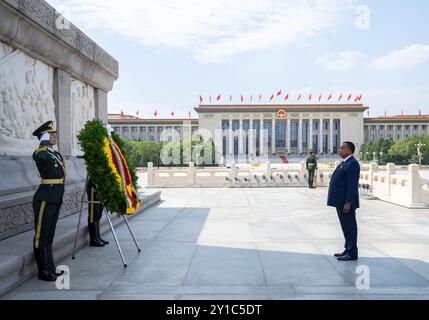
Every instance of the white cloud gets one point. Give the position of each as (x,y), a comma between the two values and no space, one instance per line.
(343,61)
(212,31)
(407,57)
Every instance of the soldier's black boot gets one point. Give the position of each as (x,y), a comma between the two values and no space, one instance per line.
(37,258)
(97,229)
(42,256)
(93,240)
(52,266)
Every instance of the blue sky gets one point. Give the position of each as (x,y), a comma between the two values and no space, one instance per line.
(170,52)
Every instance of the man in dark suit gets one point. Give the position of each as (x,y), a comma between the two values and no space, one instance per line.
(344,196)
(47,200)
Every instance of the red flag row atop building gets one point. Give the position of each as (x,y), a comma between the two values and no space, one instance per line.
(275,96)
(155,114)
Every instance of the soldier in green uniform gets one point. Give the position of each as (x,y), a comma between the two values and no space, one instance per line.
(47,200)
(95,212)
(311,167)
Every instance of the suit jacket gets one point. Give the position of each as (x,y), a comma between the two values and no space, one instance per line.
(50,165)
(344,185)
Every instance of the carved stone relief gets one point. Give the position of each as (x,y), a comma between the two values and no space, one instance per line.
(82,110)
(26,100)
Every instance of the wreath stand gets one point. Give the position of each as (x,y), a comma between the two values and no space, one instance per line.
(110,224)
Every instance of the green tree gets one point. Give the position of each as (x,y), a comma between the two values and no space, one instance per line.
(405,152)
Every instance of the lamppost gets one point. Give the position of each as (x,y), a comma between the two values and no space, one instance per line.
(419,147)
(381,156)
(374,154)
(366,156)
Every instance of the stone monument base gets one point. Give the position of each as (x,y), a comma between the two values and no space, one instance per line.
(19,181)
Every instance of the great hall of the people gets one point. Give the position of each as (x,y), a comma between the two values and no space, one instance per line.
(291,129)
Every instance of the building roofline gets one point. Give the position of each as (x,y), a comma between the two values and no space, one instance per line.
(275,107)
(121,121)
(398,119)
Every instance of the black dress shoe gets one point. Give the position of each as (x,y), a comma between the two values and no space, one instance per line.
(346,257)
(342,254)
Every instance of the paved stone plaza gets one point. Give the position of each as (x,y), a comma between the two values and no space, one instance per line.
(251,244)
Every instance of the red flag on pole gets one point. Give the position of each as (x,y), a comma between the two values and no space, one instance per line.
(320,98)
(309,97)
(287,97)
(279,93)
(122,114)
(201,99)
(218,98)
(155,113)
(210,99)
(260,97)
(350,96)
(330,97)
(189,114)
(272,97)
(251,99)
(299,97)
(242,99)
(172,113)
(230,98)
(341,97)
(385,113)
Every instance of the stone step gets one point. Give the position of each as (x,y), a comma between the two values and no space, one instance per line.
(17,263)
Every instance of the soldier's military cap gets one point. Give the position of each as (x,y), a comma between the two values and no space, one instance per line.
(47,127)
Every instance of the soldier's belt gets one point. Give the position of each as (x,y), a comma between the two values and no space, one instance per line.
(52,181)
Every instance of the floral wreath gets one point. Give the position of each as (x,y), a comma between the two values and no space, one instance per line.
(107,165)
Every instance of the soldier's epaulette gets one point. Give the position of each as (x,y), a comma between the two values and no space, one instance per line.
(41,149)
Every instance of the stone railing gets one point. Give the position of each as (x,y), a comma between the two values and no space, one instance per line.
(408,189)
(290,175)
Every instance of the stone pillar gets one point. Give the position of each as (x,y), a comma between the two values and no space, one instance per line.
(240,136)
(191,173)
(251,135)
(269,171)
(62,99)
(233,171)
(390,169)
(150,174)
(414,187)
(288,134)
(101,104)
(300,134)
(331,136)
(273,136)
(373,168)
(321,135)
(302,169)
(231,141)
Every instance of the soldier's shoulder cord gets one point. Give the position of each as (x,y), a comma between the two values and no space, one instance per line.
(41,149)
